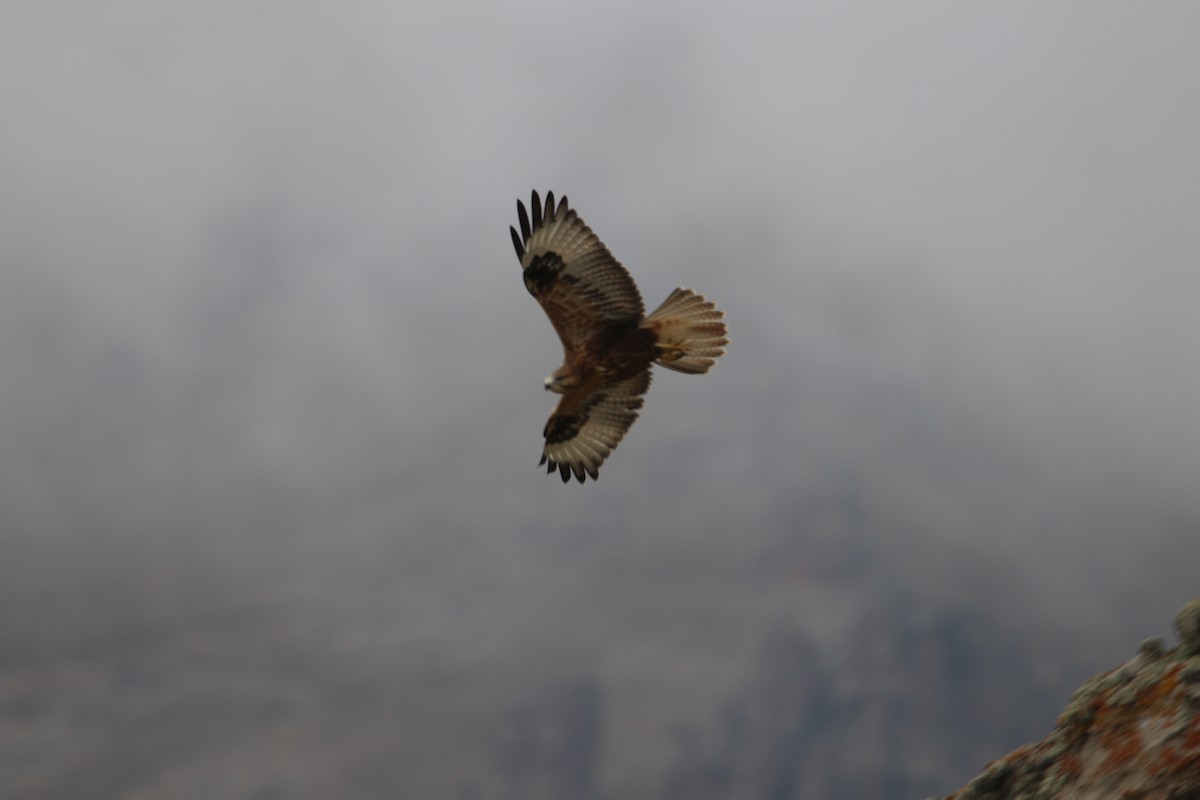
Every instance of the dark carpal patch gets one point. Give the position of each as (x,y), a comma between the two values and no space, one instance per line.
(565,427)
(542,273)
(562,428)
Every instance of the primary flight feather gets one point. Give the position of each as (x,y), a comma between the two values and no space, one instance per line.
(608,342)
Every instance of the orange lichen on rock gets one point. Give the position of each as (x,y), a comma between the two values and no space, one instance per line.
(1181,758)
(1123,744)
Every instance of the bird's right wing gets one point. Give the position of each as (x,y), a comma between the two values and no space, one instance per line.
(588,424)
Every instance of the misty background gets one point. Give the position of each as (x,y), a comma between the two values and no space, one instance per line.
(271,403)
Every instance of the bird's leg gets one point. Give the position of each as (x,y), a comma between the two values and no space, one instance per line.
(671,351)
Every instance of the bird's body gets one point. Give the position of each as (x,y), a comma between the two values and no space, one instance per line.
(612,354)
(608,342)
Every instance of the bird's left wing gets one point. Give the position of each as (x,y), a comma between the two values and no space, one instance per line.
(570,272)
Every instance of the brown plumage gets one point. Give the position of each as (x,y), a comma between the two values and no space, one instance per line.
(608,342)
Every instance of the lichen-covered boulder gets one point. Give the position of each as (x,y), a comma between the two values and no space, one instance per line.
(1133,732)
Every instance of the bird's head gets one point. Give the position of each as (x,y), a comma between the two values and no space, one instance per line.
(560,380)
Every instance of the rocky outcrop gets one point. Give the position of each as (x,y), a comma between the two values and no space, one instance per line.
(1132,733)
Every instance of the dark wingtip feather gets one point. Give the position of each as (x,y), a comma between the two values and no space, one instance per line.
(565,472)
(524,219)
(538,214)
(543,461)
(518,245)
(537,210)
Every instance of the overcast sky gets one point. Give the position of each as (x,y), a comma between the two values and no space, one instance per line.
(257,294)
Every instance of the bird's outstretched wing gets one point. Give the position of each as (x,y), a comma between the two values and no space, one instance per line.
(570,272)
(589,423)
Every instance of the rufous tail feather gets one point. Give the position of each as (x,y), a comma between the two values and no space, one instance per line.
(689,332)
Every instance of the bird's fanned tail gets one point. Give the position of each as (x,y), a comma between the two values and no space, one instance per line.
(689,332)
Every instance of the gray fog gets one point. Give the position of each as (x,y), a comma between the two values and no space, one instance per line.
(271,393)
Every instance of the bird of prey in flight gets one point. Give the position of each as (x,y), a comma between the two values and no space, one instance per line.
(608,340)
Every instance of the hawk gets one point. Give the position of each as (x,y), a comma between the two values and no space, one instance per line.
(608,341)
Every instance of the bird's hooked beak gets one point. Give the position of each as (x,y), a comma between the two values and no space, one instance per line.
(553,384)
